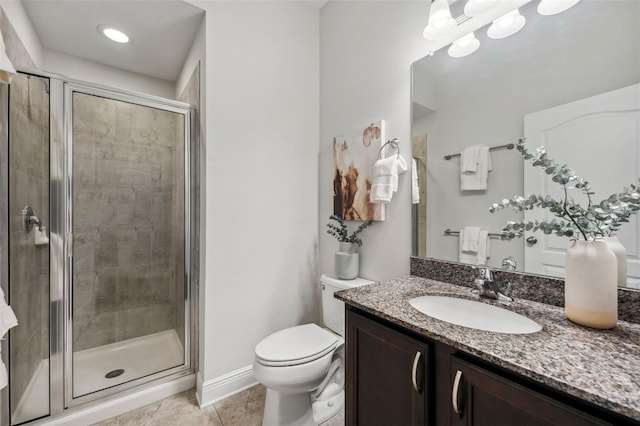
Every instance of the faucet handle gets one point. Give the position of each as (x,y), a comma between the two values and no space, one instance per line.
(485,273)
(509,263)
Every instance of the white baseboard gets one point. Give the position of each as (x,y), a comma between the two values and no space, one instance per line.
(117,406)
(223,386)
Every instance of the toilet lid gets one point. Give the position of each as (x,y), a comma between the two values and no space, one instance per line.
(296,345)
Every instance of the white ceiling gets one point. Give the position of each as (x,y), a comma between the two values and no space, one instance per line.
(162,32)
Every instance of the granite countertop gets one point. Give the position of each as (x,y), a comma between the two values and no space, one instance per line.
(599,366)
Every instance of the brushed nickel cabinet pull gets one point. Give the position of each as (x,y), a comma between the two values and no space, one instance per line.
(454,393)
(414,372)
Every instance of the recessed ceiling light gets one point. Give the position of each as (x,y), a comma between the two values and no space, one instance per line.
(113,34)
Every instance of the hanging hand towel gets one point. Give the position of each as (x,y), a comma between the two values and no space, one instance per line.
(470,236)
(469,159)
(415,187)
(385,180)
(7,71)
(477,181)
(482,252)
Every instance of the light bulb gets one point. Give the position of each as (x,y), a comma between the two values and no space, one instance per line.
(551,7)
(464,46)
(506,25)
(479,7)
(440,20)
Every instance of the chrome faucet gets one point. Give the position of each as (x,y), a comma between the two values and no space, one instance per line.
(485,286)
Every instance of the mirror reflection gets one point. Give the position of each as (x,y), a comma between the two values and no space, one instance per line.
(568,82)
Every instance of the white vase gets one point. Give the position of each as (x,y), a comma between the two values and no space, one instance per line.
(590,288)
(347,261)
(621,256)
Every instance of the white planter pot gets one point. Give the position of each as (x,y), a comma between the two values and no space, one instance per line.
(590,288)
(347,261)
(621,256)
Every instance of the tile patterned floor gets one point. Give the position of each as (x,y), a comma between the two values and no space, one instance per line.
(242,409)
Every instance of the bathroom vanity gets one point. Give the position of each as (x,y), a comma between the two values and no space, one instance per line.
(406,368)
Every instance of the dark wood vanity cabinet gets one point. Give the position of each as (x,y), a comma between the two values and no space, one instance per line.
(395,378)
(480,397)
(385,375)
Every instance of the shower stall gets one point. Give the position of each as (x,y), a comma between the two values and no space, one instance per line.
(97,263)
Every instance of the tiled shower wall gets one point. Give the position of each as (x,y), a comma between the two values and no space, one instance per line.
(28,263)
(128,220)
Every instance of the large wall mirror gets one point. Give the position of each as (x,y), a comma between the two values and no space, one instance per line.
(570,82)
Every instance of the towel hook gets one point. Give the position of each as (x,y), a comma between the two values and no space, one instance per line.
(393,142)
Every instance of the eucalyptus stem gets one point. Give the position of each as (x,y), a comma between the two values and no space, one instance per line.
(564,207)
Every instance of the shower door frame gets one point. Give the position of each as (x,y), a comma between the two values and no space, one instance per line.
(61,400)
(4,230)
(65,249)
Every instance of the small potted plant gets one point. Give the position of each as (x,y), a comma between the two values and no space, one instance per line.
(596,262)
(347,258)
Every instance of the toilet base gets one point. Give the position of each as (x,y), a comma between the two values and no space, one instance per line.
(281,409)
(325,410)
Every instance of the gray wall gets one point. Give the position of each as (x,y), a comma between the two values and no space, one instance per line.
(28,263)
(127,211)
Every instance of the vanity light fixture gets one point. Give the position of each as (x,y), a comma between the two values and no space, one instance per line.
(506,25)
(113,34)
(551,7)
(440,20)
(464,46)
(479,7)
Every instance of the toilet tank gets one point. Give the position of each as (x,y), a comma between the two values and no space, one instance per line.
(332,308)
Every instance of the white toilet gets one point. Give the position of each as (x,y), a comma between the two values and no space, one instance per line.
(302,367)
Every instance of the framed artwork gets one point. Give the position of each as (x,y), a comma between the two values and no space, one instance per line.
(354,155)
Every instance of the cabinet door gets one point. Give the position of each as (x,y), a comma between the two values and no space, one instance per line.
(481,398)
(386,375)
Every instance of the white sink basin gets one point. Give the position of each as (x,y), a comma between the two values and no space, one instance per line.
(472,314)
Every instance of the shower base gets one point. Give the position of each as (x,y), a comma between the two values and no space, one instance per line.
(138,357)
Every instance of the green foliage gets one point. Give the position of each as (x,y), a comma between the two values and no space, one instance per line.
(594,220)
(341,232)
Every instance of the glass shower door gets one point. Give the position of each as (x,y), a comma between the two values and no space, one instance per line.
(128,284)
(28,289)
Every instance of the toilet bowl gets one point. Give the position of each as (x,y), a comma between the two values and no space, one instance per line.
(302,367)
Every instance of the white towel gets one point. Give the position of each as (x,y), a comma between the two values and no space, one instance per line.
(385,178)
(415,187)
(470,236)
(383,173)
(475,181)
(483,252)
(4,380)
(7,320)
(469,159)
(7,71)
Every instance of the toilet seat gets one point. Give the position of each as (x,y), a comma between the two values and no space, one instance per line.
(295,346)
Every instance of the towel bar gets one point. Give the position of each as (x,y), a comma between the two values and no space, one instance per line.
(493,148)
(498,236)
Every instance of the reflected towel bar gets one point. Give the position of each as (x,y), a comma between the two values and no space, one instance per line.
(493,148)
(498,236)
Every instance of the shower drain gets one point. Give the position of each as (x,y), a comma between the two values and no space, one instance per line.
(114,373)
